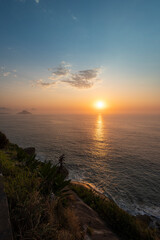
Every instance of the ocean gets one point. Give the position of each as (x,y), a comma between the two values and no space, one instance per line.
(117,154)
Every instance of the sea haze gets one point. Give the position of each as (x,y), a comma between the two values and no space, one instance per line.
(118,154)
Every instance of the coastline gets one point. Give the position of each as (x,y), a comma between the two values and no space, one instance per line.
(44,180)
(151,221)
(94,189)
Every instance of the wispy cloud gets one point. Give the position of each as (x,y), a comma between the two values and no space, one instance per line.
(74,17)
(5,73)
(62,70)
(37,1)
(83,79)
(44,84)
(64,74)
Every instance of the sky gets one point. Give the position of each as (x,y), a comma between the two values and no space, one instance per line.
(61,56)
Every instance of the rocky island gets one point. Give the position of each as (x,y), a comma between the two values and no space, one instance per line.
(24,112)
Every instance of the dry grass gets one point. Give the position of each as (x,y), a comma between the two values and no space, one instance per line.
(39,219)
(65,235)
(34,214)
(73,223)
(68,219)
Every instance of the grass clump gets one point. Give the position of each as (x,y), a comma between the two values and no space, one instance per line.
(30,185)
(122,223)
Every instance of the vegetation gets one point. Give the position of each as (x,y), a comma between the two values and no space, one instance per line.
(122,223)
(3,141)
(38,201)
(37,204)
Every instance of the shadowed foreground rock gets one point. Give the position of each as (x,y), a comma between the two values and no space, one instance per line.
(93,226)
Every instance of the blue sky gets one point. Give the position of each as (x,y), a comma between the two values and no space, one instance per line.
(121,37)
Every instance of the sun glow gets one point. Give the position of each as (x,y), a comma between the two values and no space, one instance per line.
(100,105)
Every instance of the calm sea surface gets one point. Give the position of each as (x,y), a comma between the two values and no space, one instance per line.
(119,155)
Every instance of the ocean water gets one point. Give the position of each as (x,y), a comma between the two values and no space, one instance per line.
(117,154)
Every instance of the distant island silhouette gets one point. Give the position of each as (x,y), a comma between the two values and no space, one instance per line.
(4,110)
(24,112)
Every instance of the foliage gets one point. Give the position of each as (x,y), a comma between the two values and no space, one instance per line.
(120,221)
(51,180)
(3,140)
(28,185)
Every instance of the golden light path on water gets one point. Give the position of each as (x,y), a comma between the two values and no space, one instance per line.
(99,137)
(99,128)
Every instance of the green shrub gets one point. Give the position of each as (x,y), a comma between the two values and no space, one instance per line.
(3,140)
(52,181)
(28,185)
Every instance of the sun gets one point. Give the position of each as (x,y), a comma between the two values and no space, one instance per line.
(100,105)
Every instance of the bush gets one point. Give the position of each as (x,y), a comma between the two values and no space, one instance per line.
(3,140)
(29,184)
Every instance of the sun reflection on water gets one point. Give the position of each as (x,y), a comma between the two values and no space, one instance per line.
(99,128)
(99,144)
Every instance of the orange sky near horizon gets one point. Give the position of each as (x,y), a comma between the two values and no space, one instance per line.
(48,102)
(118,95)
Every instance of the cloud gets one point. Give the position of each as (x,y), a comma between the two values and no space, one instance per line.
(89,74)
(74,18)
(83,79)
(4,73)
(64,74)
(43,84)
(37,1)
(61,70)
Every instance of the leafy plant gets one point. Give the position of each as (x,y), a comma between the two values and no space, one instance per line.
(52,181)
